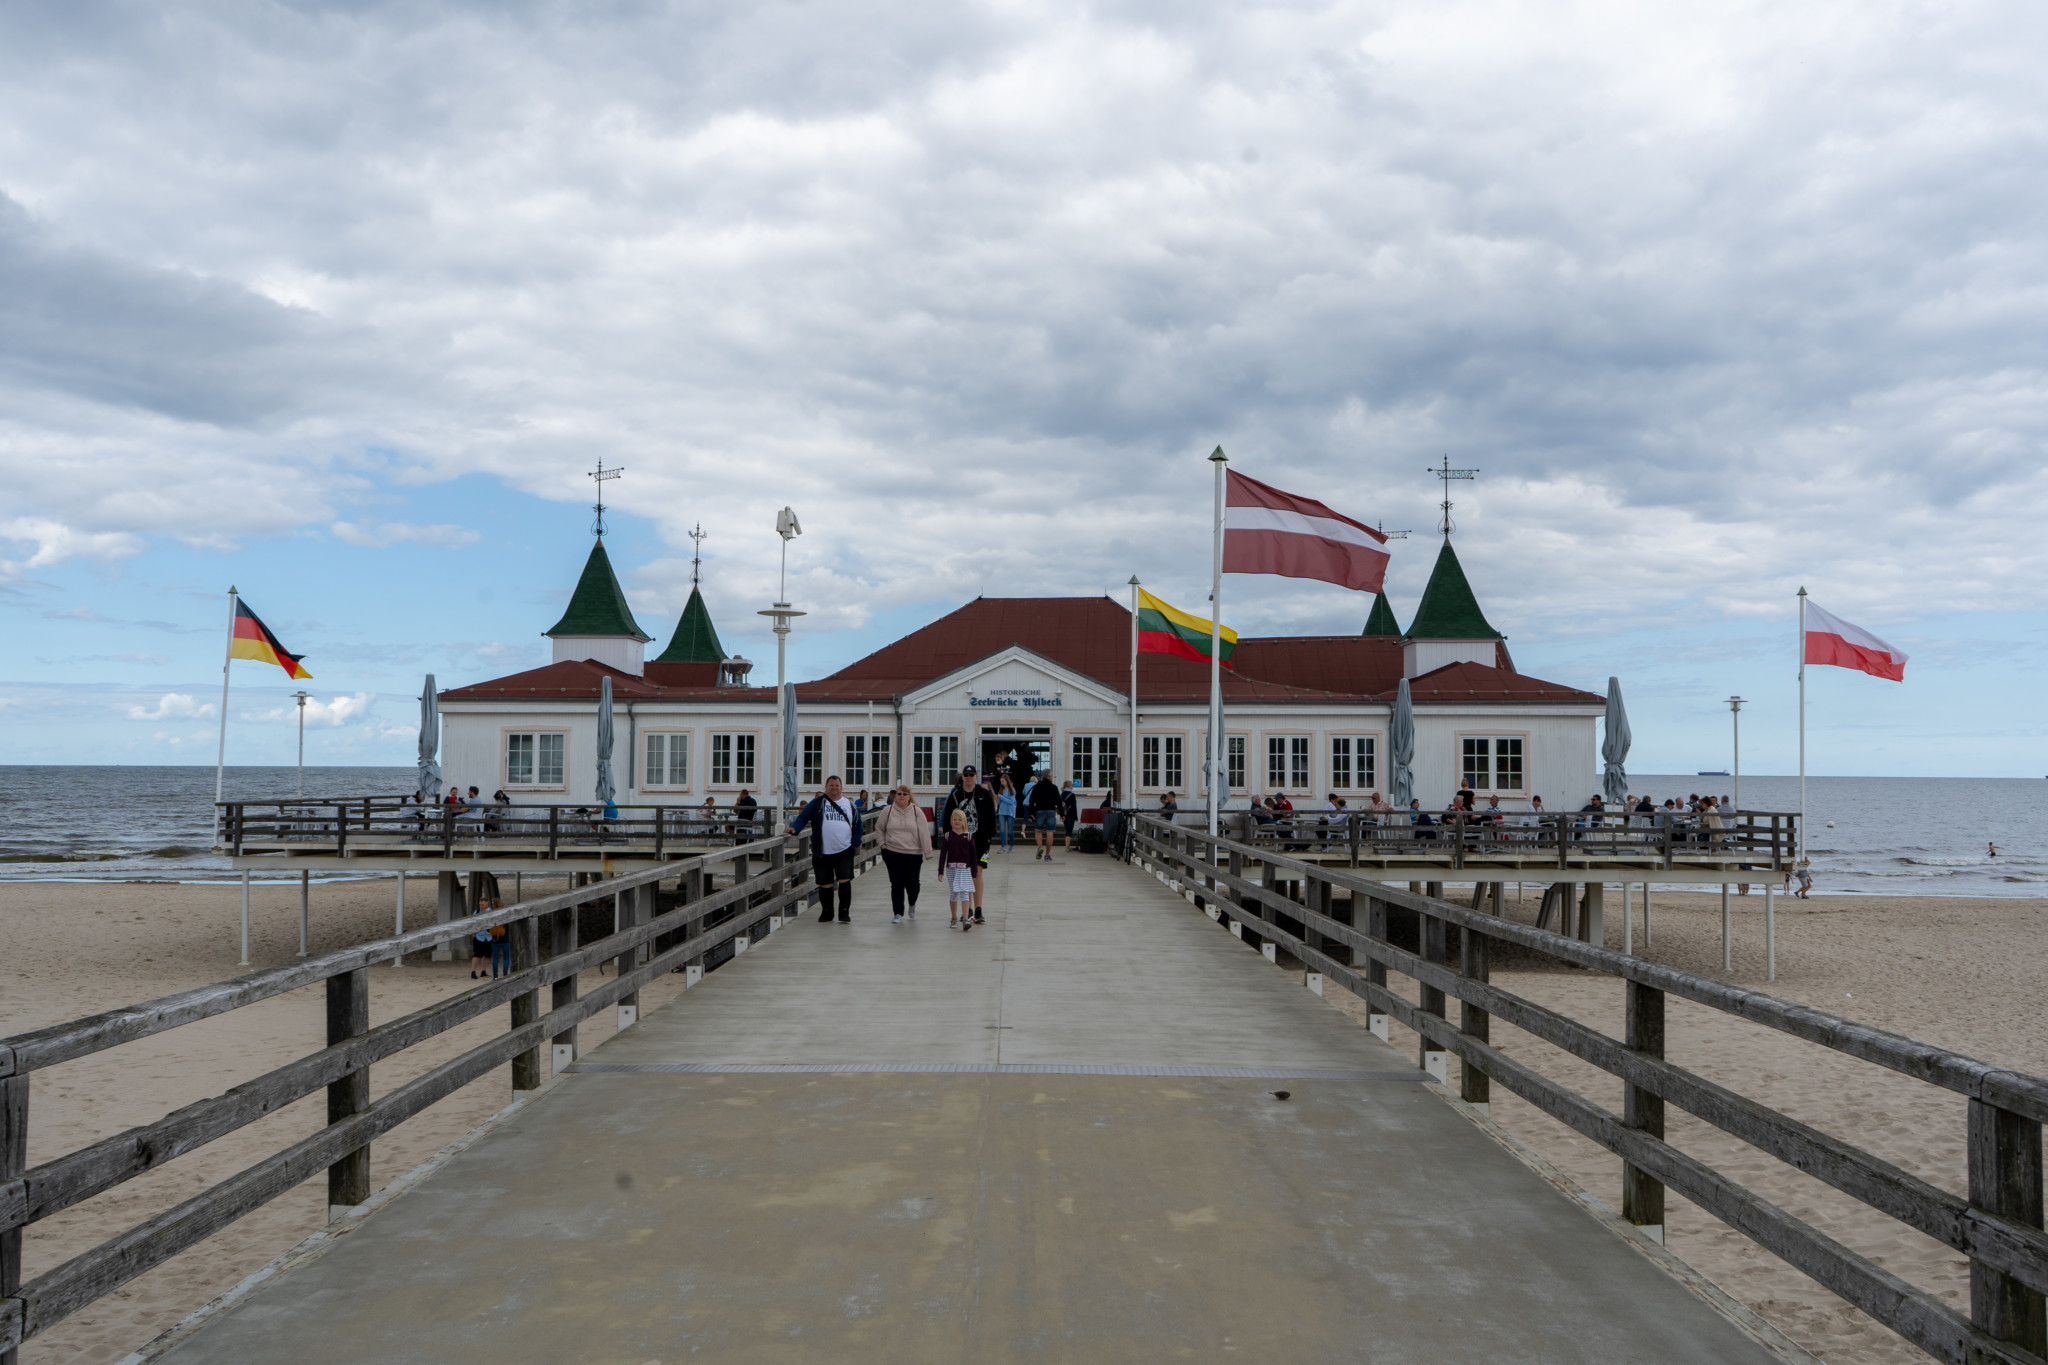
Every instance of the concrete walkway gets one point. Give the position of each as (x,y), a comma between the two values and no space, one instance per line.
(1057,1137)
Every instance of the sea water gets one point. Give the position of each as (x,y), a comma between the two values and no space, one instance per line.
(1898,836)
(146,824)
(1901,836)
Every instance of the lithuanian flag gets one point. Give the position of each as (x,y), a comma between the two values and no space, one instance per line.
(253,640)
(1164,629)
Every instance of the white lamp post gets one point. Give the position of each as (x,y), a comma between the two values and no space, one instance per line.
(1735,718)
(785,526)
(302,696)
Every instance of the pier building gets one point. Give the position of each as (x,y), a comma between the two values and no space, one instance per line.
(1032,684)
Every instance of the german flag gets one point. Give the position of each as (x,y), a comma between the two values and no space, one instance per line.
(253,640)
(1165,629)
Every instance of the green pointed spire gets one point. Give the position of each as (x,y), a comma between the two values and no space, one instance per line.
(1381,621)
(1448,610)
(695,640)
(598,606)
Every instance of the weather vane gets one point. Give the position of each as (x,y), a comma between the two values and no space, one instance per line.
(1446,473)
(697,556)
(601,474)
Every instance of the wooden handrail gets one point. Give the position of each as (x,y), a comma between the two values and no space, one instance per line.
(1999,1224)
(541,962)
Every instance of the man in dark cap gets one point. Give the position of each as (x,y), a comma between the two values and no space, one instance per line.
(972,799)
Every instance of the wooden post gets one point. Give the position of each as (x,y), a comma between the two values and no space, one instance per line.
(693,891)
(525,938)
(1434,949)
(559,936)
(13,1161)
(1474,1086)
(1376,970)
(305,908)
(626,915)
(1642,1196)
(2005,1180)
(1727,954)
(554,829)
(348,1016)
(1231,897)
(660,830)
(245,920)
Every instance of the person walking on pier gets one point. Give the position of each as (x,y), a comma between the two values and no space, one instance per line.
(1006,811)
(973,801)
(1070,811)
(905,837)
(960,864)
(834,826)
(1043,805)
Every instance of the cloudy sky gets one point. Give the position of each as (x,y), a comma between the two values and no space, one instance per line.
(338,303)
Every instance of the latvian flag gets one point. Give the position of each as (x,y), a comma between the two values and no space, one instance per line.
(1164,629)
(1831,640)
(253,640)
(1268,531)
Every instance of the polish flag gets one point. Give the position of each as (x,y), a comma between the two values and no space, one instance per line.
(1268,531)
(1831,640)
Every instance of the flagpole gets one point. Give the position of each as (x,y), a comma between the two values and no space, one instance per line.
(220,758)
(1133,751)
(1217,762)
(1799,841)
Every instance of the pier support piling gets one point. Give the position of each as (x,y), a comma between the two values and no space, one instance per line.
(447,905)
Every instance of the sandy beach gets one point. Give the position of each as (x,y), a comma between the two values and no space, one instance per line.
(1920,967)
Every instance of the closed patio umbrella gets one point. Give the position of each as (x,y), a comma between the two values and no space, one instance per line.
(1401,740)
(430,742)
(604,741)
(790,740)
(1614,749)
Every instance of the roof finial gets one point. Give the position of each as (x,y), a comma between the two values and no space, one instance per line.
(601,474)
(697,556)
(1446,473)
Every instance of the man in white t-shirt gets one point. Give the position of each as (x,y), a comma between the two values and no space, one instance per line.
(835,836)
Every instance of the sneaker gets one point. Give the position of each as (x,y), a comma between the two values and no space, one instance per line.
(897,919)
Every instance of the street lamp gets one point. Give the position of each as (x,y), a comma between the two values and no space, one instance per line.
(1735,719)
(785,526)
(302,696)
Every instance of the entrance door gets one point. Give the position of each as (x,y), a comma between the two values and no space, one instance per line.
(1018,750)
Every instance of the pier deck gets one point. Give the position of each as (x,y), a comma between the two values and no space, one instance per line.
(1055,1137)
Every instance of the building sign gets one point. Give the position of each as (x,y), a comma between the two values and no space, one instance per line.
(1015,696)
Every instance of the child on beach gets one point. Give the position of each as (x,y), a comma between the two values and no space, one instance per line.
(1805,875)
(957,857)
(480,946)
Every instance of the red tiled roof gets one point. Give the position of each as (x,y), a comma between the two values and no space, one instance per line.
(581,679)
(1477,682)
(1088,635)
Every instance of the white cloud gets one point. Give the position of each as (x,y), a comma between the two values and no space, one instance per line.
(331,713)
(1719,301)
(394,532)
(174,706)
(55,542)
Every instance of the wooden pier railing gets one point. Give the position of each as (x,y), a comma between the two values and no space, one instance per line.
(766,883)
(367,826)
(1757,839)
(1997,1223)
